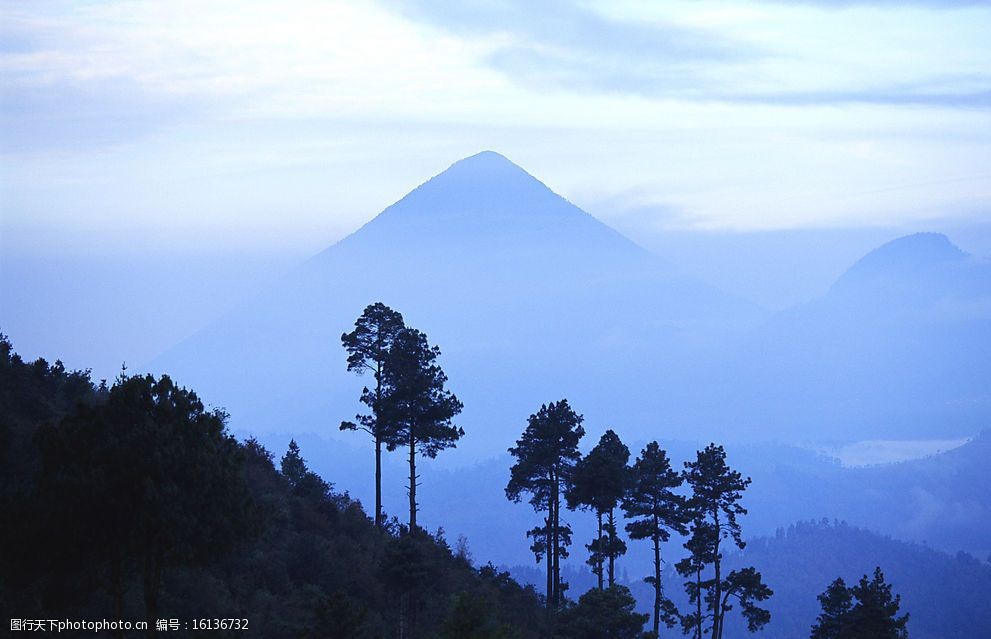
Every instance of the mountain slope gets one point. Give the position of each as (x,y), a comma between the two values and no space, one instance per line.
(532,299)
(529,297)
(900,347)
(945,596)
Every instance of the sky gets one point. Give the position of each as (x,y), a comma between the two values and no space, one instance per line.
(261,132)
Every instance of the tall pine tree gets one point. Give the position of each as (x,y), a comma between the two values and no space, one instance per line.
(546,455)
(418,404)
(368,347)
(714,507)
(599,484)
(655,512)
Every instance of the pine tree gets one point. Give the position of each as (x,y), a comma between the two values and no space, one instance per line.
(608,613)
(714,507)
(864,611)
(418,404)
(368,347)
(546,455)
(304,482)
(599,483)
(837,602)
(655,512)
(875,614)
(293,466)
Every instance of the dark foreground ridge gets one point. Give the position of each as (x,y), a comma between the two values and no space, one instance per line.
(306,561)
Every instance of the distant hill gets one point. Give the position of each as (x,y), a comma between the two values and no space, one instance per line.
(946,596)
(899,348)
(943,501)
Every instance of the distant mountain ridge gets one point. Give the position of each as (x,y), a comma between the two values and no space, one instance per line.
(531,299)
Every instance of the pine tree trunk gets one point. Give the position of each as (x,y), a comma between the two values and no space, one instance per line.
(698,601)
(598,552)
(657,580)
(412,482)
(378,482)
(717,613)
(550,563)
(378,444)
(556,537)
(612,549)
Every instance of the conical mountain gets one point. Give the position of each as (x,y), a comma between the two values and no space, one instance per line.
(530,298)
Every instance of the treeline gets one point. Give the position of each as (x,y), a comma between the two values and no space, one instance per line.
(551,471)
(409,406)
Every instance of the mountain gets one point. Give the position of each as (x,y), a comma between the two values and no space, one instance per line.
(530,298)
(945,595)
(943,501)
(899,347)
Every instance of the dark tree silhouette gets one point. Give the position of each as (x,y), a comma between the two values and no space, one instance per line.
(418,404)
(154,477)
(875,614)
(836,601)
(655,512)
(599,483)
(603,614)
(864,611)
(546,455)
(304,482)
(368,348)
(714,507)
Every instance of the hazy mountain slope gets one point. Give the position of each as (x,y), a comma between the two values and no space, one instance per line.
(900,347)
(530,298)
(946,596)
(943,501)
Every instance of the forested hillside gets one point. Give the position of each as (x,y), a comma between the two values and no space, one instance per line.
(307,562)
(946,596)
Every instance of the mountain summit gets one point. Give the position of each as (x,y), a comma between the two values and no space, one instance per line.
(487,201)
(905,257)
(912,271)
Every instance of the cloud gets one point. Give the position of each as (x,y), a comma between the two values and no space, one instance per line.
(930,4)
(892,97)
(565,24)
(70,116)
(540,69)
(567,45)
